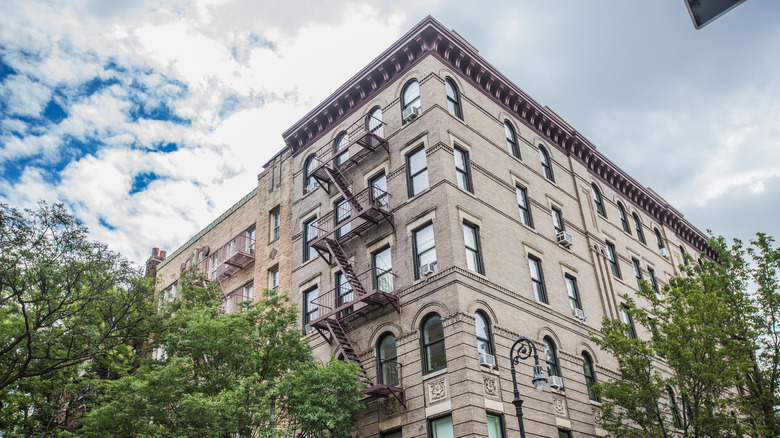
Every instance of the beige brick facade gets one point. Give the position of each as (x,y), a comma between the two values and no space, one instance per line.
(503,291)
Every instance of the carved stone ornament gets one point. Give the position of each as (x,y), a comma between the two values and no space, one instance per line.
(560,406)
(597,415)
(490,385)
(437,390)
(391,406)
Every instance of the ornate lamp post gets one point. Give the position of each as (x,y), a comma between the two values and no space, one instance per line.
(525,349)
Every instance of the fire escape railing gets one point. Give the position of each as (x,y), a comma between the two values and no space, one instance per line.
(389,382)
(330,312)
(229,258)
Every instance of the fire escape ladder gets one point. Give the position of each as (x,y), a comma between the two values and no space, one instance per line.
(337,253)
(344,346)
(342,186)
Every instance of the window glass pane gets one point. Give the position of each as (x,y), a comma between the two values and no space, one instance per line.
(482,327)
(420,182)
(549,357)
(494,426)
(393,435)
(424,238)
(433,330)
(417,161)
(510,133)
(374,121)
(383,266)
(442,428)
(411,92)
(387,348)
(470,236)
(436,356)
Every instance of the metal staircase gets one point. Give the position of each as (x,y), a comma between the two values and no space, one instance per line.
(361,213)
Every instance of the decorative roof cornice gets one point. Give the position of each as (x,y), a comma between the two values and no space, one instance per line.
(429,37)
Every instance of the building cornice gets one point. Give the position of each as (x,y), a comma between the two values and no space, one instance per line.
(429,37)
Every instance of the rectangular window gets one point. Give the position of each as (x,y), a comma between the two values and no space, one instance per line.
(309,234)
(462,169)
(310,308)
(495,424)
(522,203)
(571,289)
(653,282)
(424,248)
(342,210)
(271,179)
(393,434)
(628,320)
(557,217)
(344,294)
(562,433)
(378,186)
(383,270)
(273,225)
(537,279)
(637,270)
(613,261)
(416,171)
(441,428)
(473,253)
(273,278)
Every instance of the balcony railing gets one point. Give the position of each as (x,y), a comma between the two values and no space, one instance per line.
(367,135)
(229,258)
(389,381)
(345,304)
(370,204)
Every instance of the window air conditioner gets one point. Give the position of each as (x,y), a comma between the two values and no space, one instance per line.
(556,383)
(565,239)
(578,313)
(411,113)
(664,253)
(312,185)
(428,269)
(487,359)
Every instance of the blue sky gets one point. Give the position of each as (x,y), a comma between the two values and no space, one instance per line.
(150,118)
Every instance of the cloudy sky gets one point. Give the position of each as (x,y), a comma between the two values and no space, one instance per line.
(150,118)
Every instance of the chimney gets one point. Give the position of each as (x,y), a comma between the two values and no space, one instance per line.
(154,261)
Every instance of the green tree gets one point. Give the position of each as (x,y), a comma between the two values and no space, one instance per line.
(762,382)
(70,313)
(246,373)
(683,379)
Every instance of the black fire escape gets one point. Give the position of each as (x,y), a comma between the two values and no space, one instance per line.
(359,293)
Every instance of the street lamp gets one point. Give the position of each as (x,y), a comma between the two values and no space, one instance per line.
(525,349)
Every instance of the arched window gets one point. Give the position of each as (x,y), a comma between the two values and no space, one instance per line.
(511,139)
(551,357)
(590,376)
(597,199)
(309,183)
(374,121)
(339,145)
(672,402)
(484,340)
(638,226)
(659,239)
(433,352)
(410,96)
(684,255)
(453,98)
(623,218)
(546,166)
(387,360)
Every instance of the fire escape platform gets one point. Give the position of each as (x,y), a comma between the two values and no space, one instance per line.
(376,392)
(372,300)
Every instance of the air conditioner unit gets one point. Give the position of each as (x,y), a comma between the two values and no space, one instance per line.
(565,239)
(411,113)
(578,313)
(556,383)
(312,185)
(428,269)
(664,253)
(487,359)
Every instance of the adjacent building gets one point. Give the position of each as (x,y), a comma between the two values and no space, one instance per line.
(426,215)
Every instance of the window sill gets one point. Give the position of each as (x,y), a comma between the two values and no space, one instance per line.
(434,374)
(595,403)
(489,369)
(424,191)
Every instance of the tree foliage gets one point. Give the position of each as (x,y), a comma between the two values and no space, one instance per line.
(247,373)
(706,326)
(70,312)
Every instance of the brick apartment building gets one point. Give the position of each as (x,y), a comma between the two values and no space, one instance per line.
(426,215)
